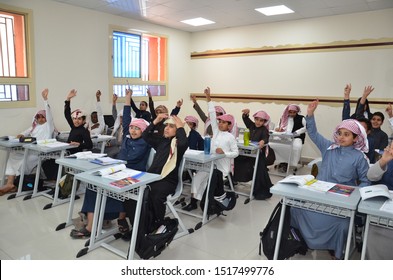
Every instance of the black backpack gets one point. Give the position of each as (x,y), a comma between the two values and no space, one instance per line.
(291,240)
(215,207)
(28,183)
(153,238)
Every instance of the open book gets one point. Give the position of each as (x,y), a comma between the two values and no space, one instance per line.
(86,155)
(118,172)
(308,182)
(53,143)
(374,191)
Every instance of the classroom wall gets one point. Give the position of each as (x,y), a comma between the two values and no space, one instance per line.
(310,74)
(71,51)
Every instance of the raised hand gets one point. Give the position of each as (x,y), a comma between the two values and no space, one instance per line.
(246,111)
(71,94)
(193,98)
(347,91)
(312,107)
(44,94)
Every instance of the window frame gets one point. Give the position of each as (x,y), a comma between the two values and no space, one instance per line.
(126,82)
(29,80)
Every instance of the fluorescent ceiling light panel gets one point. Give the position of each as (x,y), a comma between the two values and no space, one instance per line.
(197,21)
(275,10)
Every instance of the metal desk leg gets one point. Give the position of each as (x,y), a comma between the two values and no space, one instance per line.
(7,156)
(279,232)
(131,249)
(204,219)
(254,175)
(22,176)
(349,237)
(365,237)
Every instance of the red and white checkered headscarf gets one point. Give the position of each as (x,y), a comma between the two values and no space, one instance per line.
(228,118)
(284,117)
(355,127)
(34,122)
(263,115)
(192,119)
(78,113)
(139,122)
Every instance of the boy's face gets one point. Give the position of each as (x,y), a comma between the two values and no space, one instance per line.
(142,106)
(94,118)
(40,119)
(365,127)
(223,125)
(191,125)
(78,121)
(135,132)
(259,122)
(170,130)
(345,137)
(376,121)
(292,113)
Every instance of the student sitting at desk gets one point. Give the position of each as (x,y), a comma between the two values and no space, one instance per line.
(343,162)
(142,111)
(42,128)
(161,109)
(389,111)
(223,142)
(79,136)
(244,166)
(219,112)
(170,149)
(195,140)
(135,151)
(293,123)
(380,240)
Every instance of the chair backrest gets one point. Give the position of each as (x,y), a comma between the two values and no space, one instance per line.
(179,187)
(150,159)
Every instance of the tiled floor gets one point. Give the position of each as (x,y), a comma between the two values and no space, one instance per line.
(28,232)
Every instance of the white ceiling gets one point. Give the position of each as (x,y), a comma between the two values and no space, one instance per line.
(226,13)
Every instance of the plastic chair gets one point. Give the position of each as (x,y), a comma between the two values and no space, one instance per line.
(150,159)
(171,199)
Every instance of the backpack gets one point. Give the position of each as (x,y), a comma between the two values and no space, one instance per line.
(28,183)
(65,185)
(291,240)
(215,207)
(153,238)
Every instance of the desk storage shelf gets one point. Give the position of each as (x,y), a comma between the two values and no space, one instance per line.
(382,222)
(197,166)
(131,194)
(318,207)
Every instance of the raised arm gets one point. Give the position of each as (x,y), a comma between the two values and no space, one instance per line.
(114,109)
(49,117)
(360,109)
(100,114)
(346,113)
(198,109)
(67,107)
(127,113)
(176,110)
(312,131)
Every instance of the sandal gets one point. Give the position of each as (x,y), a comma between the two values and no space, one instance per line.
(5,191)
(123,226)
(81,233)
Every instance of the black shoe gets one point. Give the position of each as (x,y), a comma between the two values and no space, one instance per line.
(191,206)
(262,196)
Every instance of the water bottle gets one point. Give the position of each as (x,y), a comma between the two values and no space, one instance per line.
(206,147)
(246,137)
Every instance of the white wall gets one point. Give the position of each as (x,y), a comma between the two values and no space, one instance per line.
(298,74)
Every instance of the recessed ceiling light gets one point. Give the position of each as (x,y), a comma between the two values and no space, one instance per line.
(275,10)
(197,21)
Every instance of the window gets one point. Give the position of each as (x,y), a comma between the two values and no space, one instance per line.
(16,79)
(138,61)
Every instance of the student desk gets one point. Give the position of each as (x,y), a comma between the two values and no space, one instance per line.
(279,140)
(320,202)
(73,165)
(8,146)
(44,151)
(253,151)
(374,217)
(103,188)
(103,139)
(197,160)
